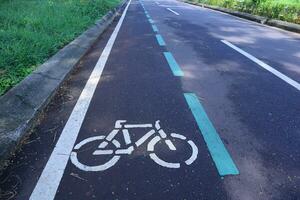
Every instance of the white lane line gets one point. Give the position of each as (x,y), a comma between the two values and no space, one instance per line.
(49,180)
(169,9)
(280,75)
(157,3)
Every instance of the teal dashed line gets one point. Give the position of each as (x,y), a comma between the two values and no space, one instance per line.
(160,40)
(173,64)
(151,21)
(155,29)
(218,152)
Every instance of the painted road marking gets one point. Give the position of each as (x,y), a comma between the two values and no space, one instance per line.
(173,64)
(138,126)
(152,137)
(155,29)
(169,9)
(49,180)
(280,75)
(126,136)
(151,21)
(160,40)
(148,16)
(220,155)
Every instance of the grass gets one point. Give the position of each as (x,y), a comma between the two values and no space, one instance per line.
(286,10)
(31,31)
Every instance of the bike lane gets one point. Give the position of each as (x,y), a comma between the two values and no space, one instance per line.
(138,86)
(256,113)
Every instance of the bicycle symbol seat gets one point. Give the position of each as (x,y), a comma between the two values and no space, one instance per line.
(109,146)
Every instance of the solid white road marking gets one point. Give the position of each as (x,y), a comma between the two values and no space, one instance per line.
(170,145)
(112,135)
(162,133)
(144,138)
(126,136)
(280,75)
(138,125)
(97,168)
(162,162)
(116,143)
(103,145)
(83,142)
(49,180)
(151,144)
(169,9)
(116,152)
(194,155)
(175,135)
(128,151)
(103,152)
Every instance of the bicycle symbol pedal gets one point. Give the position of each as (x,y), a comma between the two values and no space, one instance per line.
(111,147)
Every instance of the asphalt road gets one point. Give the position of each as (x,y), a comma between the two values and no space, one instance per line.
(210,109)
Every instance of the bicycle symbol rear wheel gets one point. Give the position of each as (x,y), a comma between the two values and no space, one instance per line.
(99,167)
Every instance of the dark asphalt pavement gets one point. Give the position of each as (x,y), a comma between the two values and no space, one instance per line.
(255,113)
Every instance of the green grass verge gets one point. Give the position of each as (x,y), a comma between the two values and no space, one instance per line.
(33,30)
(286,10)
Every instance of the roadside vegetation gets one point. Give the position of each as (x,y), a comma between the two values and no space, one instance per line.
(286,10)
(31,31)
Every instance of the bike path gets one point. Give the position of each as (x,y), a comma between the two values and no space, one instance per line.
(137,85)
(258,126)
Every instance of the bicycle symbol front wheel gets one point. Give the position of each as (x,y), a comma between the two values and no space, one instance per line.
(162,162)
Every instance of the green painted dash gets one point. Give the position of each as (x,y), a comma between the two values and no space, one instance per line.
(218,151)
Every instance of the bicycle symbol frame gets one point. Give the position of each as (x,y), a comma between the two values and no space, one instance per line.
(121,126)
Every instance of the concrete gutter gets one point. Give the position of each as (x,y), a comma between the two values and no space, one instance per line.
(21,106)
(263,20)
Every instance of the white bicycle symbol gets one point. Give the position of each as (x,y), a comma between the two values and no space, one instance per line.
(110,146)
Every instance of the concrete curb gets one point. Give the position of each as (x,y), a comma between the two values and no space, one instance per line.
(22,105)
(263,20)
(284,25)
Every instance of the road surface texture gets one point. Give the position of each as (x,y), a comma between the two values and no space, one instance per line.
(173,102)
